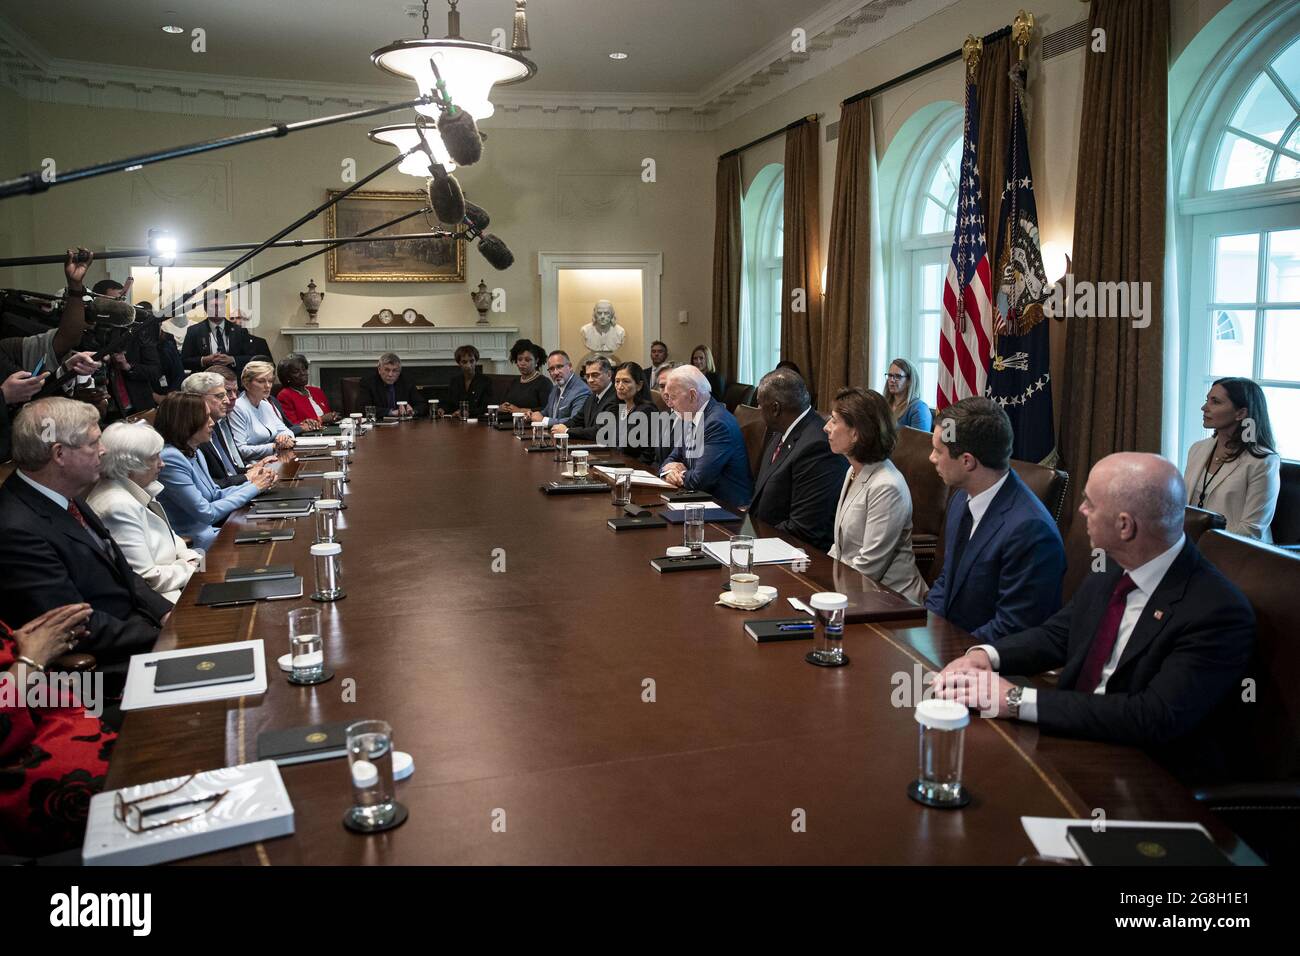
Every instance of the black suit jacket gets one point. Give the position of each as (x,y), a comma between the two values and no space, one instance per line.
(239,346)
(375,392)
(47,560)
(799,493)
(478,395)
(586,423)
(142,355)
(171,370)
(1180,667)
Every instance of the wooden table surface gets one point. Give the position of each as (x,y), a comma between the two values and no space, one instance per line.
(519,694)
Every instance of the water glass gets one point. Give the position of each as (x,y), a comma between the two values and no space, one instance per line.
(942,742)
(334,487)
(519,425)
(433,410)
(580,463)
(622,487)
(464,412)
(741,579)
(562,447)
(693,526)
(539,434)
(327,517)
(372,413)
(340,456)
(329,577)
(830,608)
(306,649)
(492,414)
(370,766)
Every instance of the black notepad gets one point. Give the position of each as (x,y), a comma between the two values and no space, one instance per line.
(681,496)
(1145,846)
(574,487)
(639,521)
(246,592)
(288,493)
(203,670)
(288,508)
(268,572)
(696,562)
(304,744)
(781,629)
(262,537)
(720,515)
(329,431)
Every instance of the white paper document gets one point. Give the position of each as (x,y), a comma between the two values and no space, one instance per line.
(766,551)
(320,442)
(1049,839)
(683,505)
(140,695)
(639,477)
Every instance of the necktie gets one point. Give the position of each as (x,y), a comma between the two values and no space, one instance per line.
(1103,645)
(221,337)
(775,452)
(963,536)
(119,390)
(223,455)
(81,520)
(392,397)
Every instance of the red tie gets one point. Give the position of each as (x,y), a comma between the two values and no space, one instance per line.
(76,513)
(776,451)
(1103,645)
(119,386)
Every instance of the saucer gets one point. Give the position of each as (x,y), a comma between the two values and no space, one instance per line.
(764,596)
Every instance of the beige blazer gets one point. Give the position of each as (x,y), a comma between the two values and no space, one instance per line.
(139,526)
(1244,490)
(873,529)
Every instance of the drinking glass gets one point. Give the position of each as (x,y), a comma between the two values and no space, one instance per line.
(327,516)
(372,413)
(830,608)
(329,578)
(693,527)
(370,766)
(742,581)
(562,447)
(580,463)
(942,741)
(306,649)
(622,487)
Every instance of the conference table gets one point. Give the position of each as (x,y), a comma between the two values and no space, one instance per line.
(564,703)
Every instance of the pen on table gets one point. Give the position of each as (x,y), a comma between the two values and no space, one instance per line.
(795,627)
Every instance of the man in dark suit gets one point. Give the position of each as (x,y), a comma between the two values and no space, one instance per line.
(386,386)
(711,455)
(1003,557)
(215,341)
(1150,647)
(601,399)
(133,370)
(799,480)
(220,452)
(53,548)
(567,399)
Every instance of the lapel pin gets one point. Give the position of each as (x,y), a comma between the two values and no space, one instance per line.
(1159,615)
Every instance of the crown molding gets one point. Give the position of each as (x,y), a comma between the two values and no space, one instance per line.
(838,31)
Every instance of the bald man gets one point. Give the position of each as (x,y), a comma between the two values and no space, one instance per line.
(1150,647)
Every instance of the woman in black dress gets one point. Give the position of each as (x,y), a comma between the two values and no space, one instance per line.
(470,386)
(637,436)
(529,392)
(702,358)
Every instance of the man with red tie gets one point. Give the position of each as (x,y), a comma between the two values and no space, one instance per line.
(1151,646)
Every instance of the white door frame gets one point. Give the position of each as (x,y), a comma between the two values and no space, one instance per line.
(549,264)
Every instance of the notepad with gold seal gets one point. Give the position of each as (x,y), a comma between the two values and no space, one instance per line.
(203,669)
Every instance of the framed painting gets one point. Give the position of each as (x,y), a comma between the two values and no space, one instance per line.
(407,260)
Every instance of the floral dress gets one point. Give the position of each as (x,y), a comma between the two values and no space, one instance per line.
(52,761)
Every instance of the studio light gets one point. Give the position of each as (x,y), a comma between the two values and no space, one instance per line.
(162,247)
(469,69)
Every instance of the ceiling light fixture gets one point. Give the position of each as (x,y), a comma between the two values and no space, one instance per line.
(172,28)
(405,136)
(618,56)
(468,68)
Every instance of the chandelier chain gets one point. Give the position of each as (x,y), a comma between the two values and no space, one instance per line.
(426,19)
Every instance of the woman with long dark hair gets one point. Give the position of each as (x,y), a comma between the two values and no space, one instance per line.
(1236,471)
(637,437)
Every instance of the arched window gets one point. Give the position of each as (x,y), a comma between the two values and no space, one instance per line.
(923,217)
(763,225)
(1241,212)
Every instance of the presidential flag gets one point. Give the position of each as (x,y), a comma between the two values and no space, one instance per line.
(1020,379)
(965,331)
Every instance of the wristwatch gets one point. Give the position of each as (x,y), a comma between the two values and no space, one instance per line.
(1013,701)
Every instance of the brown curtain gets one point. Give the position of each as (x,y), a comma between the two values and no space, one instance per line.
(801,268)
(1111,400)
(727,239)
(993,84)
(844,352)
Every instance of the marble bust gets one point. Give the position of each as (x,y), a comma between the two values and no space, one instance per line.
(603,335)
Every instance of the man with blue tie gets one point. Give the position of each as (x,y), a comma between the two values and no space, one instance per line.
(569,395)
(225,464)
(710,456)
(1003,555)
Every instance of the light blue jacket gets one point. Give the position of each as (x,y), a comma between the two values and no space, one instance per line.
(255,428)
(917,416)
(561,410)
(192,500)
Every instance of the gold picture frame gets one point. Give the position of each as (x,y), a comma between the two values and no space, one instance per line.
(416,260)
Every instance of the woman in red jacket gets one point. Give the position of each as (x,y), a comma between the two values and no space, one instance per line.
(53,758)
(303,404)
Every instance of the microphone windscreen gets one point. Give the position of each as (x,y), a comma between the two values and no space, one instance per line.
(460,135)
(477,216)
(496,252)
(446,198)
(114,311)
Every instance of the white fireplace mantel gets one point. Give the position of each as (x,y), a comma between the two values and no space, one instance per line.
(336,347)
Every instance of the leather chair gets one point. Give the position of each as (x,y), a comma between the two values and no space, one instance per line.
(500,385)
(1262,803)
(754,430)
(929,498)
(146,416)
(1049,485)
(350,389)
(1286,520)
(738,393)
(1078,550)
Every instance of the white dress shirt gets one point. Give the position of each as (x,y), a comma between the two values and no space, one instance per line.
(1146,578)
(978,504)
(792,424)
(50,493)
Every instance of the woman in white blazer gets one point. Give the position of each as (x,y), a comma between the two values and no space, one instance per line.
(873,523)
(125,498)
(1235,471)
(258,428)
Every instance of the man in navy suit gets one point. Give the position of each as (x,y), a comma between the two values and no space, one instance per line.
(53,548)
(569,395)
(601,400)
(799,480)
(711,456)
(1152,645)
(215,341)
(1003,556)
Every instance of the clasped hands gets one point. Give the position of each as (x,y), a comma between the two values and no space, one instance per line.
(971,680)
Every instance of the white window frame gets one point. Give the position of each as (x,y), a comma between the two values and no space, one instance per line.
(762,213)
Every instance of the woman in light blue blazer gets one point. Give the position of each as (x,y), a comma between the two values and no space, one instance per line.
(192,500)
(258,428)
(902,389)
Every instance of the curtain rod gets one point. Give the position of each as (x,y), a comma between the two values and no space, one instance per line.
(777,132)
(925,68)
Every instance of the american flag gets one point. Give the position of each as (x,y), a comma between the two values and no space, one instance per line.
(966,330)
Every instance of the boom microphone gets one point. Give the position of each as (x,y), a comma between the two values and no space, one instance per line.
(445,196)
(495,252)
(460,135)
(475,217)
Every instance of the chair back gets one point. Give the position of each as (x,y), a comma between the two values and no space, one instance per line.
(1286,519)
(350,389)
(1049,485)
(754,431)
(929,498)
(737,393)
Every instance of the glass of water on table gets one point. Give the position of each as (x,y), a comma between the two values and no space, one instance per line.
(370,765)
(693,526)
(306,649)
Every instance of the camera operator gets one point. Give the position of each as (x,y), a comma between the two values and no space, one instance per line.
(133,368)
